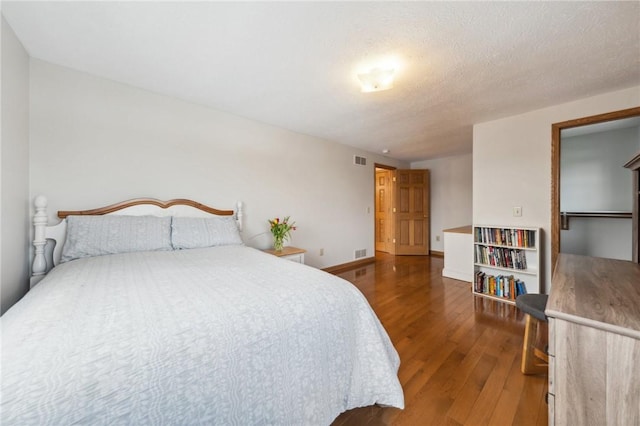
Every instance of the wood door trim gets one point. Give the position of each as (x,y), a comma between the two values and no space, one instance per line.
(634,166)
(382,166)
(556,128)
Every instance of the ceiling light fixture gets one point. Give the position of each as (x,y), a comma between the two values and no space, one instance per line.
(376,80)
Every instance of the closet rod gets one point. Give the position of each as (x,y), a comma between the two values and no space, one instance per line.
(564,216)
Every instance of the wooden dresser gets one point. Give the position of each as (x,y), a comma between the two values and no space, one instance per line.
(594,342)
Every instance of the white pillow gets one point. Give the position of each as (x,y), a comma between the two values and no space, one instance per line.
(196,232)
(110,234)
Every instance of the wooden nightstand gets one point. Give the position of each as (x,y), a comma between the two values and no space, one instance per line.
(290,253)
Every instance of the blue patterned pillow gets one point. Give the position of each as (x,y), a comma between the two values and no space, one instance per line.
(196,232)
(110,234)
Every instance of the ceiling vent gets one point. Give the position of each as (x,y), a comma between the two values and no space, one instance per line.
(360,161)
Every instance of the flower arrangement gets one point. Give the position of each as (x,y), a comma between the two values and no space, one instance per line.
(281,231)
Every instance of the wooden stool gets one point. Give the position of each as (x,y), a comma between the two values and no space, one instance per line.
(536,333)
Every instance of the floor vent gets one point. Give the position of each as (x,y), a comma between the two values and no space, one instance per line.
(361,161)
(361,253)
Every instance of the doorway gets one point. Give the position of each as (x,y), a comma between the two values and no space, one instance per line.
(384,227)
(402,218)
(559,220)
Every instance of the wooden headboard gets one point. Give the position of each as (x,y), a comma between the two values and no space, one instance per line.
(135,207)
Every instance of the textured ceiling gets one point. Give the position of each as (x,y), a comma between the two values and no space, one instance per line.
(294,65)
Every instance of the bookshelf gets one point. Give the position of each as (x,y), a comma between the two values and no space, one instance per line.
(506,261)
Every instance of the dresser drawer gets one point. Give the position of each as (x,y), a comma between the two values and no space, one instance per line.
(298,258)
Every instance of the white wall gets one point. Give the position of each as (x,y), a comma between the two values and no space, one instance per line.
(512,164)
(592,178)
(14,154)
(610,238)
(592,173)
(95,142)
(451,194)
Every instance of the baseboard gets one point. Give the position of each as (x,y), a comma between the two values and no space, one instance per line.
(336,269)
(436,253)
(457,275)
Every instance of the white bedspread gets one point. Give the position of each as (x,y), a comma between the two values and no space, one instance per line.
(224,336)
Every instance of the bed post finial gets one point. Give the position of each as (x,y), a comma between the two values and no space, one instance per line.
(239,214)
(40,220)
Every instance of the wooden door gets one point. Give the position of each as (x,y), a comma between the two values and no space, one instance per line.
(383,213)
(412,218)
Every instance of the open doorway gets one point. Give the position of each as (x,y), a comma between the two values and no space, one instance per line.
(564,214)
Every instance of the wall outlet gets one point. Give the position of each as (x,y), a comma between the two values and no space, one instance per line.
(517,211)
(437,237)
(321,252)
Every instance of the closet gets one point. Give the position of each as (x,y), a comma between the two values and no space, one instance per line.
(596,208)
(603,195)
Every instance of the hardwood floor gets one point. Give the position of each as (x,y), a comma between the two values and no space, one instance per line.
(460,355)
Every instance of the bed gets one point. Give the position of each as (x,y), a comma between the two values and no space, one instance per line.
(203,331)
